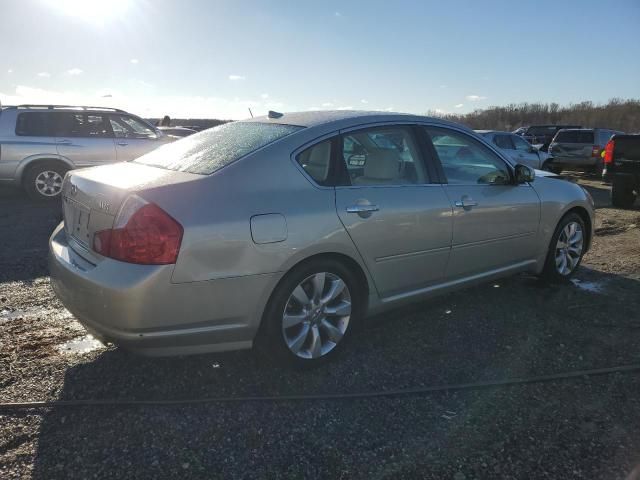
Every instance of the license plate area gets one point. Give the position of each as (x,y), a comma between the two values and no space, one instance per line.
(76,221)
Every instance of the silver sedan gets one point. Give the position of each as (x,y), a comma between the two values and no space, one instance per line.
(289,230)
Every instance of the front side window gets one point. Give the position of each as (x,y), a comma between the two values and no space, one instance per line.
(466,161)
(128,127)
(316,161)
(521,144)
(212,149)
(383,156)
(503,141)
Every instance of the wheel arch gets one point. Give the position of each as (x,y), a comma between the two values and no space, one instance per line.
(343,258)
(34,160)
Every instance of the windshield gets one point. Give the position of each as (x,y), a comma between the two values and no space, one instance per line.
(212,149)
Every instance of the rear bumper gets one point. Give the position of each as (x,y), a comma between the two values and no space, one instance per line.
(137,307)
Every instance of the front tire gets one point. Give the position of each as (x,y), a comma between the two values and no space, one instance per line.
(565,250)
(622,194)
(43,182)
(312,313)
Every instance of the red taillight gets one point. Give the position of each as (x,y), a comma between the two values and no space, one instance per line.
(595,151)
(608,152)
(146,235)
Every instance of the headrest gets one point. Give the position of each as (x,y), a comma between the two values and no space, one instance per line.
(382,164)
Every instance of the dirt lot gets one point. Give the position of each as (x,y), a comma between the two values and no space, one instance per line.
(580,428)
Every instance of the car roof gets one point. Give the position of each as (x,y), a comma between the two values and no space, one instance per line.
(346,118)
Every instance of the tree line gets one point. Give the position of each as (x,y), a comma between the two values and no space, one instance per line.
(616,114)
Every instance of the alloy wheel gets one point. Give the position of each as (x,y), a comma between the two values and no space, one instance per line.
(316,315)
(569,248)
(49,183)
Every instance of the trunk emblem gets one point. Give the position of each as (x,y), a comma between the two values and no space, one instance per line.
(103,204)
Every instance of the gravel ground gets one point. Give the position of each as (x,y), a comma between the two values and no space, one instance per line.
(582,428)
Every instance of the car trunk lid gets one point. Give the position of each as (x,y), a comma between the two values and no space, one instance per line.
(91,198)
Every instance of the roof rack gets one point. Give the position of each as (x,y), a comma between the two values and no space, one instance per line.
(76,107)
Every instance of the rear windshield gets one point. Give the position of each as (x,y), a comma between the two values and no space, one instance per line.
(574,136)
(212,149)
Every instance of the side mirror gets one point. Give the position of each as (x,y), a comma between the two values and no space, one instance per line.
(524,174)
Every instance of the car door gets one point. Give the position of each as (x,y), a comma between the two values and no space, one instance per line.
(524,152)
(495,221)
(133,137)
(85,138)
(399,221)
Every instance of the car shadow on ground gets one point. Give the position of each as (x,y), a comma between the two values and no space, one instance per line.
(516,327)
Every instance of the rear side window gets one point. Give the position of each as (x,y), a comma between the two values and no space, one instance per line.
(212,149)
(574,136)
(316,161)
(34,124)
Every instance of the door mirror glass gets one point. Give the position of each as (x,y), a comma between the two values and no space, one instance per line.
(524,173)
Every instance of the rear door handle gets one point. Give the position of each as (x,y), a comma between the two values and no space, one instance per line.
(362,208)
(63,142)
(123,144)
(465,202)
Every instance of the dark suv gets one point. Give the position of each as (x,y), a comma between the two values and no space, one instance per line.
(622,169)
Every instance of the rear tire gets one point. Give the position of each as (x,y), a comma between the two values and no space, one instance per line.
(43,181)
(565,250)
(287,319)
(622,194)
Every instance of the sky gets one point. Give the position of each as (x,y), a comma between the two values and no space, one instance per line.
(218,58)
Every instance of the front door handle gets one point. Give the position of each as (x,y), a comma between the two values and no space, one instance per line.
(123,144)
(465,202)
(362,208)
(63,142)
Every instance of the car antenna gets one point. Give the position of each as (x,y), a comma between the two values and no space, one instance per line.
(250,112)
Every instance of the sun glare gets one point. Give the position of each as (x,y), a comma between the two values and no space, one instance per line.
(93,11)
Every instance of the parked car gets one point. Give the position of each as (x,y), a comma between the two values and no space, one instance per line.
(40,143)
(287,230)
(519,150)
(541,135)
(177,132)
(622,169)
(580,148)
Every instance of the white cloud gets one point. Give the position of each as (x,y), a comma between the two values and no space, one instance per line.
(338,14)
(327,104)
(10,70)
(74,71)
(237,77)
(475,98)
(144,103)
(135,61)
(388,109)
(264,96)
(443,86)
(364,101)
(349,107)
(44,74)
(460,105)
